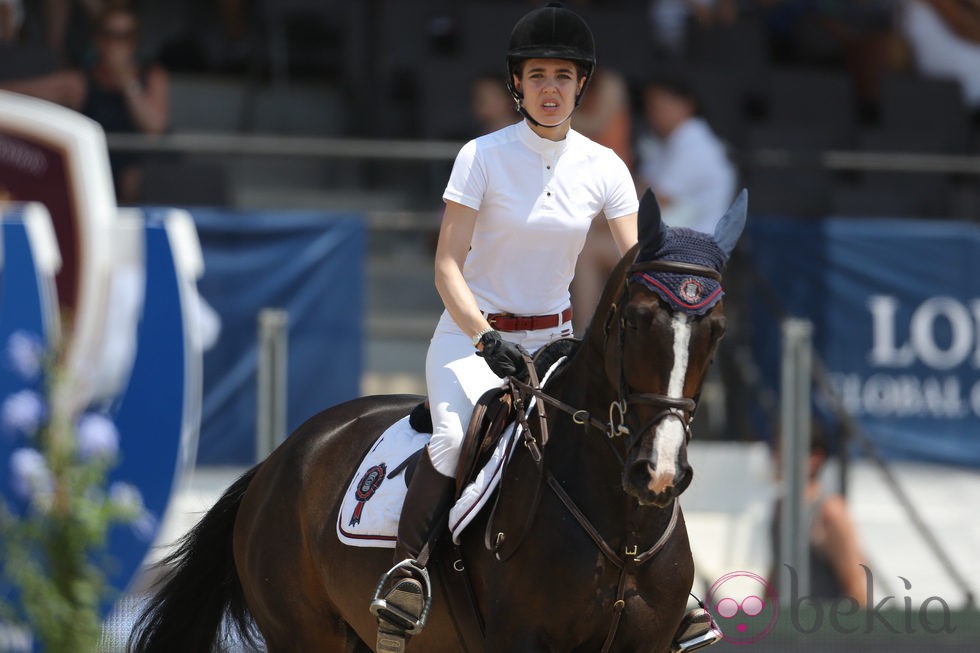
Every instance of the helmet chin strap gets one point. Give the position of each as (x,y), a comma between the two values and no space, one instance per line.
(534,122)
(524,112)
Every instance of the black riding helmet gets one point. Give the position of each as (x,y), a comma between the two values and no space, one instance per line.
(551,32)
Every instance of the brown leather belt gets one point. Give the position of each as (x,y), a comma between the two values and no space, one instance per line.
(508,322)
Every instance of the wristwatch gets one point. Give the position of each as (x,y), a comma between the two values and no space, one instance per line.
(478,337)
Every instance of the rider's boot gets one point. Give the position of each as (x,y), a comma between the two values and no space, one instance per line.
(402,612)
(697,631)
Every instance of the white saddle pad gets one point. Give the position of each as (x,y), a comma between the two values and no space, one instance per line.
(373,502)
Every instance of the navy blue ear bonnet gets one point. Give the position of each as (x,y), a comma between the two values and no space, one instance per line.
(689,293)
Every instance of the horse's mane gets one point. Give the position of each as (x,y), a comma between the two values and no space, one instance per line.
(548,355)
(614,284)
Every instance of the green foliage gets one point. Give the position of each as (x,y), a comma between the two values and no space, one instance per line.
(53,543)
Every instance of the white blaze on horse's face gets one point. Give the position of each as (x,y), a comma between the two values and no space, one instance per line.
(671,434)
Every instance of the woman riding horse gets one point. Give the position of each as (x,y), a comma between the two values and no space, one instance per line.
(519,204)
(587,545)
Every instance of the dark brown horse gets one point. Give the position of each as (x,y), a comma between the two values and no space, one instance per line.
(594,554)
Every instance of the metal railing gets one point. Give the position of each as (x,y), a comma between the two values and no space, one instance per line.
(795,414)
(273,353)
(276,145)
(423,150)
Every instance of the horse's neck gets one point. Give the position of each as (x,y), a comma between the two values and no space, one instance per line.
(584,378)
(583,462)
(583,453)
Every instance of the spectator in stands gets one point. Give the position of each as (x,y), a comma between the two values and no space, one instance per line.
(123,94)
(605,116)
(492,106)
(944,40)
(835,555)
(118,91)
(682,160)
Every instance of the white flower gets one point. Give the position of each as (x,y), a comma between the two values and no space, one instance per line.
(29,474)
(25,352)
(97,437)
(127,498)
(22,412)
(145,526)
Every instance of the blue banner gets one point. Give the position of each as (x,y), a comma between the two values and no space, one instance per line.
(305,262)
(896,311)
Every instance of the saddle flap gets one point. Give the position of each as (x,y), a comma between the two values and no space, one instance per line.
(491,414)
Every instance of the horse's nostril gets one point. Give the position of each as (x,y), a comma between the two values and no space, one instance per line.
(640,473)
(687,473)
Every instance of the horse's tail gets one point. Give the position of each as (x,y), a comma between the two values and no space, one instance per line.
(200,586)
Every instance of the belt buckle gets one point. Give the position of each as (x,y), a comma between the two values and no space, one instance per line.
(493,317)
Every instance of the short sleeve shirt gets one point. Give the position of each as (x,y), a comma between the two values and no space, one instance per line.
(691,168)
(535,199)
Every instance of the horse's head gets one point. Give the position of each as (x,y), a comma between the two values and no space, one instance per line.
(664,319)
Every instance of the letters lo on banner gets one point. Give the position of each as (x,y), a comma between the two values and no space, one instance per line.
(896,308)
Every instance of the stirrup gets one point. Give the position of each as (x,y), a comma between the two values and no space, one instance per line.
(697,631)
(394,620)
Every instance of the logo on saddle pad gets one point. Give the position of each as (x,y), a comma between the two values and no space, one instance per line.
(366,487)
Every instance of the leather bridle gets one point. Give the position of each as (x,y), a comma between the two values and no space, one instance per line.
(681,408)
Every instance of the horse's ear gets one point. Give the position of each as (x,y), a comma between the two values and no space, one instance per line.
(650,227)
(730,226)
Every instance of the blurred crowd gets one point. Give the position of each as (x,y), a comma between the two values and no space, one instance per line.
(673,105)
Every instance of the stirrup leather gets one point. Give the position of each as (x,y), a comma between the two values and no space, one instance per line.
(697,631)
(392,617)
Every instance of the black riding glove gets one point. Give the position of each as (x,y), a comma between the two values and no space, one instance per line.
(504,357)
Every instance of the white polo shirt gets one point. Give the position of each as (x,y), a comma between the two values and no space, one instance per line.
(536,199)
(692,168)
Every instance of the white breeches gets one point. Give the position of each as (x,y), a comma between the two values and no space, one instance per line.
(456,378)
